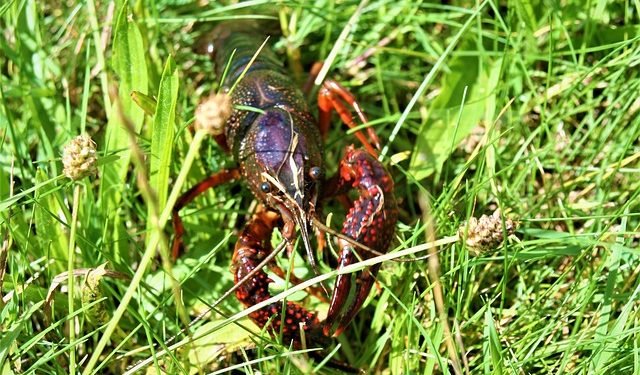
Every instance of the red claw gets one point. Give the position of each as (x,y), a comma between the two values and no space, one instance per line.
(371,222)
(253,246)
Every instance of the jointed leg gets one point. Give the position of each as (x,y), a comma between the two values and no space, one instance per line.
(313,73)
(333,96)
(214,180)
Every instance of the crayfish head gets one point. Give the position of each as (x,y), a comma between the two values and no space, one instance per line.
(282,159)
(287,170)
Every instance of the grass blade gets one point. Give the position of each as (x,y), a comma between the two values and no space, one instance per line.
(129,63)
(162,133)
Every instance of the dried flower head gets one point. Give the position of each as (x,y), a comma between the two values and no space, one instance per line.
(486,233)
(213,113)
(79,157)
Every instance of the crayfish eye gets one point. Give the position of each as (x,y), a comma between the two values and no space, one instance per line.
(315,172)
(265,187)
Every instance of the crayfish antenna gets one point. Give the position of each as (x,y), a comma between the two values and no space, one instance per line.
(304,233)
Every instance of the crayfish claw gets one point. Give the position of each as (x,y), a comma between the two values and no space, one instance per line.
(370,222)
(340,292)
(364,283)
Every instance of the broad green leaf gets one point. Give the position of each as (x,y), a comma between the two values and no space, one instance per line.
(162,133)
(131,69)
(5,204)
(11,333)
(448,122)
(617,334)
(52,237)
(525,11)
(37,68)
(600,12)
(606,36)
(437,338)
(211,345)
(4,8)
(608,336)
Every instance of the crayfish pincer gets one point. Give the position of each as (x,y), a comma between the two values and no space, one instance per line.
(277,145)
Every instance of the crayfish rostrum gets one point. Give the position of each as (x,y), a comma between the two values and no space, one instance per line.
(277,145)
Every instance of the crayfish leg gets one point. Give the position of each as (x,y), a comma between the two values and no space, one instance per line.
(332,96)
(313,73)
(370,221)
(252,247)
(212,181)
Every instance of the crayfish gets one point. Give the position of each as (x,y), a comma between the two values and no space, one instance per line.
(277,145)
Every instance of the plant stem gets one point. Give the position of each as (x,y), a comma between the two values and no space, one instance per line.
(70,278)
(149,252)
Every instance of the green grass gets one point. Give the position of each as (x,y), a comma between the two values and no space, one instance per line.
(526,106)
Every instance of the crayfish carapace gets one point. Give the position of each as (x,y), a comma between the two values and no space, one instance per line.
(278,148)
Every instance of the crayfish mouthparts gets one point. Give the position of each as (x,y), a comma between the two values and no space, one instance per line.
(292,218)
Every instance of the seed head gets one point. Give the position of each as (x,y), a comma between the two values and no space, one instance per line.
(213,113)
(79,157)
(486,233)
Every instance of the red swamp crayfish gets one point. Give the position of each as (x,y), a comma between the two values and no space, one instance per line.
(279,152)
